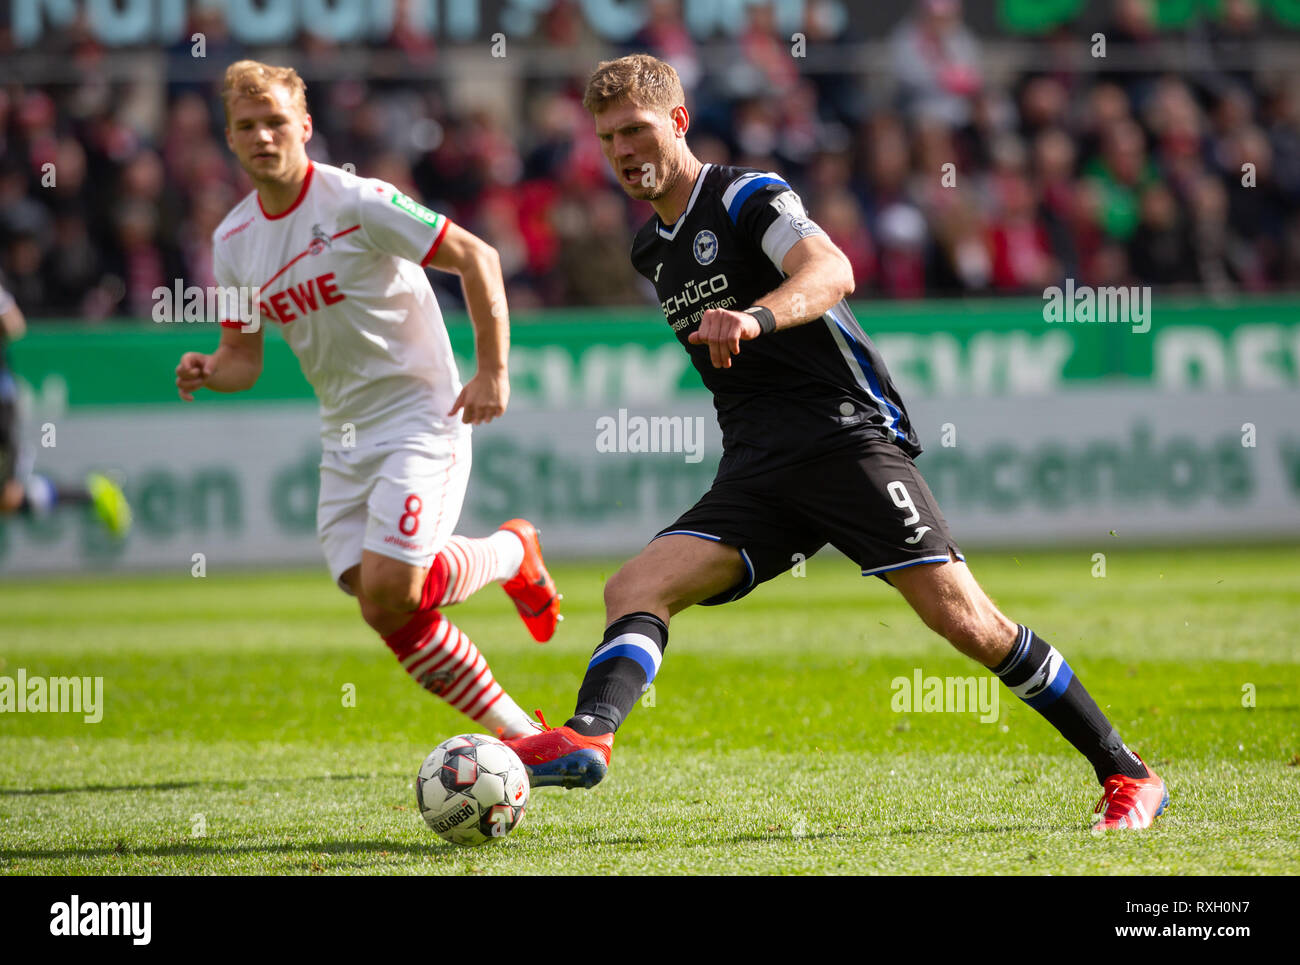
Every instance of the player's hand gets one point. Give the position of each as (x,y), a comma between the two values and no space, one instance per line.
(192,372)
(484,398)
(723,330)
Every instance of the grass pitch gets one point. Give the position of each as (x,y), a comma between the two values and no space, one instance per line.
(770,745)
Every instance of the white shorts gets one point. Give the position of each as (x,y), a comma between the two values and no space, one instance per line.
(402,501)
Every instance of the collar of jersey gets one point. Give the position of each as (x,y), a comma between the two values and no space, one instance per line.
(306,183)
(677,225)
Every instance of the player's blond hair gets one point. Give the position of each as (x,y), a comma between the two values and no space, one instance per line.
(646,81)
(252,78)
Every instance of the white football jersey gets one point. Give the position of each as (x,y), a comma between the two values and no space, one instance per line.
(340,274)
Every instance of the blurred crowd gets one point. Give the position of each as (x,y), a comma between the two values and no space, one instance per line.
(933,178)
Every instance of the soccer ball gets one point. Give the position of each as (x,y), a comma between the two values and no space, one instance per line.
(472,789)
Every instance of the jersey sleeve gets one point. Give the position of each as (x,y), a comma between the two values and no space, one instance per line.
(399,225)
(225,278)
(765,209)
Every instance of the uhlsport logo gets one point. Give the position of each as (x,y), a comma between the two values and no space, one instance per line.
(705,247)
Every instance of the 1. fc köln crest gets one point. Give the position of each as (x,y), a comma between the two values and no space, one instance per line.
(319,240)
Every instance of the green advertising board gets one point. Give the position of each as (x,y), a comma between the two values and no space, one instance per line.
(992,347)
(1035,432)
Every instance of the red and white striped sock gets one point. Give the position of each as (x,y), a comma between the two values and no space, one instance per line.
(445,662)
(472,564)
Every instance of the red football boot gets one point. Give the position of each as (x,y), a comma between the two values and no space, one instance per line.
(561,757)
(532,588)
(1131,802)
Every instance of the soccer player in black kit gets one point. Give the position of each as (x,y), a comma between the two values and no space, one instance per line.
(817,447)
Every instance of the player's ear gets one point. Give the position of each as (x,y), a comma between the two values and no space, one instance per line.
(681,120)
(230,139)
(306,128)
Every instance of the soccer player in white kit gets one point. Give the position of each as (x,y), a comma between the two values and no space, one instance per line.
(338,264)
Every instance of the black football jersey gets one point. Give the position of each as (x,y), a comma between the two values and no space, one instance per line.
(789,395)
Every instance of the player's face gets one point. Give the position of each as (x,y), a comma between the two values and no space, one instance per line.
(641,146)
(269,135)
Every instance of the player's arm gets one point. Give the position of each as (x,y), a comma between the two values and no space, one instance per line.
(766,211)
(234,367)
(486,395)
(818,276)
(12,323)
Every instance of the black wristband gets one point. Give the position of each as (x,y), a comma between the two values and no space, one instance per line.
(765,318)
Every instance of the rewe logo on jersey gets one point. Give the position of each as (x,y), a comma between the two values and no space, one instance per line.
(306,297)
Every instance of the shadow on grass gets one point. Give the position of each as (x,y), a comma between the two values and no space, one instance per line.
(212,849)
(314,850)
(443,854)
(184,785)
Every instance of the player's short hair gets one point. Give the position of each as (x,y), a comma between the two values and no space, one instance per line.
(646,81)
(252,78)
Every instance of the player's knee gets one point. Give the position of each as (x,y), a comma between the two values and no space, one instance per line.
(383,621)
(616,587)
(11,496)
(628,590)
(393,594)
(391,584)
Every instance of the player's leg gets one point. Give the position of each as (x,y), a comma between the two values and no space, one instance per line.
(896,531)
(414,506)
(12,493)
(462,567)
(29,493)
(672,573)
(952,603)
(512,557)
(729,542)
(443,660)
(394,556)
(39,495)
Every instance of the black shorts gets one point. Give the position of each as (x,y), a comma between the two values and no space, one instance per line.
(868,501)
